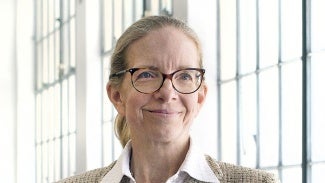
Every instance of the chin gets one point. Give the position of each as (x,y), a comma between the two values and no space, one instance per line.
(168,137)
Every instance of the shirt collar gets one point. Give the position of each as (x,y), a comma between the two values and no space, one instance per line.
(121,168)
(195,165)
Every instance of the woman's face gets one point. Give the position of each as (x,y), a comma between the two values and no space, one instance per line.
(165,115)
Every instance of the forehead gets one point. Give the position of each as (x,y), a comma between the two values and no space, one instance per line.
(167,44)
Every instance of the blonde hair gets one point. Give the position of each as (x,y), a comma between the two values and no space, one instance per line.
(118,60)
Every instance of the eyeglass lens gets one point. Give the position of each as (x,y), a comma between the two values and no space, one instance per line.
(149,81)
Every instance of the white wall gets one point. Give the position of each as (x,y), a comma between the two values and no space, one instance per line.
(25,110)
(7,91)
(17,97)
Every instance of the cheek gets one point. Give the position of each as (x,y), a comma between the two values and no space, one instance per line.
(133,104)
(132,99)
(192,106)
(129,99)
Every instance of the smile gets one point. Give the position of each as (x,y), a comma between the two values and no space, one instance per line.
(163,112)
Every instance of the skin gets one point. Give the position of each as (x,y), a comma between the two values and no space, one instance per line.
(159,122)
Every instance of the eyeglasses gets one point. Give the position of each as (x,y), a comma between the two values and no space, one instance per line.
(146,80)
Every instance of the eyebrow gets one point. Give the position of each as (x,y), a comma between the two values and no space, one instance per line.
(156,68)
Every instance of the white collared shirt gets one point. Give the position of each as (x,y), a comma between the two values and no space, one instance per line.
(194,165)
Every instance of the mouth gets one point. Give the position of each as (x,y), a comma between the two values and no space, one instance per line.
(163,112)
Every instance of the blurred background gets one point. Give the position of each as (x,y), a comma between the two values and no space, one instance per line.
(265,63)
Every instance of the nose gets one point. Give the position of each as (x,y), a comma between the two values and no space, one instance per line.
(166,92)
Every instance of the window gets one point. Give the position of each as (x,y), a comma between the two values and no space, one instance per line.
(55,89)
(270,88)
(270,91)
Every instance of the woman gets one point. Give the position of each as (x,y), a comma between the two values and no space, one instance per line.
(157,87)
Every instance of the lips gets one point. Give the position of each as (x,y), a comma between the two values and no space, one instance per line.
(163,111)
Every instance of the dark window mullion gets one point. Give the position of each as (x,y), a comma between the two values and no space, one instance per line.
(54,42)
(123,15)
(68,120)
(48,42)
(280,151)
(133,11)
(68,66)
(113,23)
(102,50)
(60,83)
(113,44)
(68,71)
(306,154)
(47,38)
(36,14)
(257,137)
(238,97)
(218,69)
(68,35)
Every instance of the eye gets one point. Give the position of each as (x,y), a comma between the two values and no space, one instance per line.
(185,76)
(146,74)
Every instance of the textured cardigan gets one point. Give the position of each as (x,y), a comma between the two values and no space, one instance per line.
(225,172)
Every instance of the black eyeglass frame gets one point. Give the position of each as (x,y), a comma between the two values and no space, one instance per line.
(169,76)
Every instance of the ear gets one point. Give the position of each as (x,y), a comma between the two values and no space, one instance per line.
(202,93)
(115,97)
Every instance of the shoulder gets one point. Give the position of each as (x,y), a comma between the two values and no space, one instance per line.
(227,172)
(92,176)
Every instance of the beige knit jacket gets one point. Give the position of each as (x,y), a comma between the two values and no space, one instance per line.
(225,172)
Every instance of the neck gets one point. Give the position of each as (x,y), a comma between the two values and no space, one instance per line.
(157,162)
